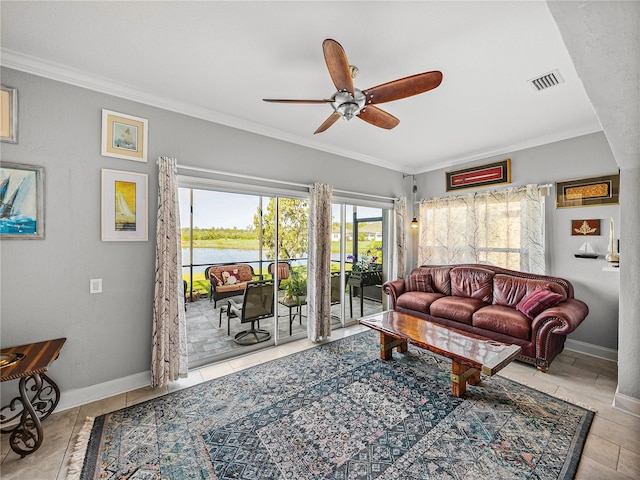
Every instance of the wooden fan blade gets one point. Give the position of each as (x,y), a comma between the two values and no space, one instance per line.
(338,65)
(378,117)
(403,87)
(284,100)
(328,122)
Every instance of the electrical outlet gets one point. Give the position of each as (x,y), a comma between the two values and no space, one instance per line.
(95,285)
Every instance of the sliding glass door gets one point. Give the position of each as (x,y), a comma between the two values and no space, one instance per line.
(226,234)
(359,253)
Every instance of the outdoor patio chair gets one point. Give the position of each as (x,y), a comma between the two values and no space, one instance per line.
(336,291)
(257,304)
(284,271)
(335,288)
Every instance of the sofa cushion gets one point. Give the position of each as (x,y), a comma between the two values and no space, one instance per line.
(440,281)
(501,319)
(419,301)
(242,273)
(472,282)
(419,282)
(460,309)
(232,288)
(509,290)
(538,301)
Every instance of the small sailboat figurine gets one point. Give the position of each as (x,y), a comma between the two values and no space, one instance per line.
(586,251)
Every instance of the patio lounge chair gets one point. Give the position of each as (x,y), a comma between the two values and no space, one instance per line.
(257,304)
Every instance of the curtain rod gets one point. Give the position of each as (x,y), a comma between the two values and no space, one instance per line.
(281,182)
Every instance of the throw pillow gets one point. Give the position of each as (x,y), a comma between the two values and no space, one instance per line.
(419,282)
(215,279)
(537,301)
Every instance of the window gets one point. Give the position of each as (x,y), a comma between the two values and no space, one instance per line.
(503,228)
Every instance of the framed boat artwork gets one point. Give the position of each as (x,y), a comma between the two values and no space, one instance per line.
(124,136)
(21,201)
(124,206)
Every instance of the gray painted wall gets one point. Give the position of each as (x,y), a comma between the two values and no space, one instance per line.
(585,156)
(45,283)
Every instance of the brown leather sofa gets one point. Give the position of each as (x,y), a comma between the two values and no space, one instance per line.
(533,311)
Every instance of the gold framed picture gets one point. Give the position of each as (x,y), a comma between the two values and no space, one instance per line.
(124,206)
(588,192)
(8,114)
(124,136)
(479,176)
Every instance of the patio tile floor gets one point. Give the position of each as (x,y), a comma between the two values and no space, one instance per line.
(206,341)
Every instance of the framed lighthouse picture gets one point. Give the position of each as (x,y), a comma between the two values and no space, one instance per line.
(21,201)
(124,206)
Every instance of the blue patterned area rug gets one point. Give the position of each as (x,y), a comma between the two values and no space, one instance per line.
(337,411)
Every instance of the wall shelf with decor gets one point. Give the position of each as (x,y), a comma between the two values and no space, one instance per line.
(609,268)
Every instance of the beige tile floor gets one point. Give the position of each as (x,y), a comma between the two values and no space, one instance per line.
(612,450)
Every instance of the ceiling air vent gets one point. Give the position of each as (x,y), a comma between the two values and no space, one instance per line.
(547,80)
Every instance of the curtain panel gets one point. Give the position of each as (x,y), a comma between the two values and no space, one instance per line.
(502,227)
(400,244)
(169,336)
(319,264)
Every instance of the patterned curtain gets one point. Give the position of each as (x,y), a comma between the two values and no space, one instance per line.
(169,352)
(502,227)
(400,251)
(319,270)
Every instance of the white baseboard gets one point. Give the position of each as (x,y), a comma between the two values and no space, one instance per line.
(626,404)
(590,349)
(79,396)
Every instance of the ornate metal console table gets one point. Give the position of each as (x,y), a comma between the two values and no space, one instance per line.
(39,395)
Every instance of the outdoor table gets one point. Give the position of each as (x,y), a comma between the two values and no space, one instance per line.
(292,303)
(39,395)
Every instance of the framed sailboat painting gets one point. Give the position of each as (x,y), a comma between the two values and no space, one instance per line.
(21,201)
(124,206)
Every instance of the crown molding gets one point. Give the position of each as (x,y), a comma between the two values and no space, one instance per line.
(54,71)
(44,68)
(509,149)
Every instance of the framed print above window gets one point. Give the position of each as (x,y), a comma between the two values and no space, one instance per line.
(21,201)
(124,206)
(124,136)
(479,176)
(8,114)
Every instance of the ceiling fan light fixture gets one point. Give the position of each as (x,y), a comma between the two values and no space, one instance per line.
(349,102)
(348,105)
(348,110)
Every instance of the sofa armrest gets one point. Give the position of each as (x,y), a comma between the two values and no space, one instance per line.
(562,319)
(394,289)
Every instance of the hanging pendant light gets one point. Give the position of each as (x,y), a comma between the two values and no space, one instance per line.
(414,222)
(414,189)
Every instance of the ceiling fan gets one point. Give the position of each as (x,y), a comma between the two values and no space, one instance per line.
(348,101)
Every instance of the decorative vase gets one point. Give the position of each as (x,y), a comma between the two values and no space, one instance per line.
(612,256)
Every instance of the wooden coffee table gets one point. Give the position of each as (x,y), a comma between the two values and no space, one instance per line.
(470,354)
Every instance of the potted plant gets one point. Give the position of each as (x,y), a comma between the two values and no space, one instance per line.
(295,286)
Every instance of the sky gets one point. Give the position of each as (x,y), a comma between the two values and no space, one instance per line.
(229,210)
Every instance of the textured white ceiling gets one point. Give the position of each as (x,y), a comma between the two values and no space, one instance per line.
(217,60)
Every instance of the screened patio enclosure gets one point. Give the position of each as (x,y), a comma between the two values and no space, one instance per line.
(229,228)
